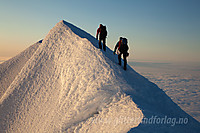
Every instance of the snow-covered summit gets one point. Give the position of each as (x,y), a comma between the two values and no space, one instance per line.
(67,84)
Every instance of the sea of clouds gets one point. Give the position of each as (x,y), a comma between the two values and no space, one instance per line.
(180,81)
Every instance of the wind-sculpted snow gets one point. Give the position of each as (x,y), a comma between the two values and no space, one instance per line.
(69,85)
(10,68)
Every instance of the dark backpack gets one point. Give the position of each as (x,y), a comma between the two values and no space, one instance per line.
(103,32)
(124,46)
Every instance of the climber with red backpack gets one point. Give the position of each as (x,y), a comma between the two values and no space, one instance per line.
(102,32)
(122,48)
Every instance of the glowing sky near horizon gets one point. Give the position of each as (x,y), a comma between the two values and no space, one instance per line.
(157,30)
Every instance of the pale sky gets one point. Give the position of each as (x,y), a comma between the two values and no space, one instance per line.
(157,30)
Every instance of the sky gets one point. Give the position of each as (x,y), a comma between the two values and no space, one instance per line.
(157,30)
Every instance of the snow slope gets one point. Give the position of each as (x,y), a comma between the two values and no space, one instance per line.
(9,69)
(67,84)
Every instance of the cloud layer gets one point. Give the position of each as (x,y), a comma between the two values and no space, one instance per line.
(180,81)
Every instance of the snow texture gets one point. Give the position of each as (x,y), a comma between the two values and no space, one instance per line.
(66,84)
(10,68)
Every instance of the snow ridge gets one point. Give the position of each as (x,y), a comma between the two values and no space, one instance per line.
(68,85)
(13,66)
(62,88)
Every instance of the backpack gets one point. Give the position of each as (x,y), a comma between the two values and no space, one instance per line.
(124,41)
(103,32)
(124,46)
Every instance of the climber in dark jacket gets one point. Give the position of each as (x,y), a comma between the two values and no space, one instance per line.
(122,48)
(102,32)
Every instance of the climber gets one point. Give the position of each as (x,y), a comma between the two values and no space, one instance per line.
(102,32)
(122,48)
